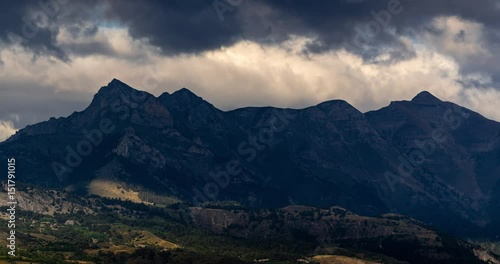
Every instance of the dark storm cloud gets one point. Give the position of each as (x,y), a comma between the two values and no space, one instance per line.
(180,26)
(22,23)
(196,26)
(176,26)
(357,25)
(35,24)
(348,23)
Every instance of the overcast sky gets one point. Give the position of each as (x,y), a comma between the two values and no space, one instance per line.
(55,54)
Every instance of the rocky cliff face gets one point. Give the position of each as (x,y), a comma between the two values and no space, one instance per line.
(324,155)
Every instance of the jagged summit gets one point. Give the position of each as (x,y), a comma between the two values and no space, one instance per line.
(116,84)
(425,97)
(183,99)
(116,89)
(186,94)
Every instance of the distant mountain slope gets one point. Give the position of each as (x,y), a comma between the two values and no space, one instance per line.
(448,142)
(463,139)
(324,155)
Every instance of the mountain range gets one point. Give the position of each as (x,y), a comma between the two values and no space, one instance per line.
(431,160)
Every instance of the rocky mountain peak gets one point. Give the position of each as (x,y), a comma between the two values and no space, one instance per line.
(340,110)
(426,97)
(184,100)
(184,95)
(116,82)
(116,87)
(118,92)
